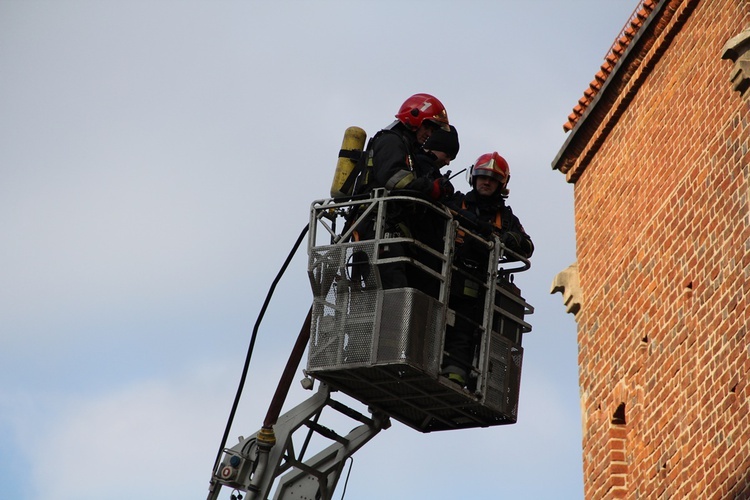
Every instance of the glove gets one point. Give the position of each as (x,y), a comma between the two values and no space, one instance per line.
(441,188)
(517,243)
(510,240)
(485,228)
(467,217)
(482,227)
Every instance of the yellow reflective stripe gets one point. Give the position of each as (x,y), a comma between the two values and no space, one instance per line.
(400,180)
(471,289)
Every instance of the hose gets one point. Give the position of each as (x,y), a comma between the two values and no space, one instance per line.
(250,348)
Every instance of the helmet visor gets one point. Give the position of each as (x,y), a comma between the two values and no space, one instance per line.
(437,124)
(486,172)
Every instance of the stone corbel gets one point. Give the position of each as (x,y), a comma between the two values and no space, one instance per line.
(737,50)
(566,282)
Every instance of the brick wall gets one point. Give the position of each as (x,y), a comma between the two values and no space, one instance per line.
(663,242)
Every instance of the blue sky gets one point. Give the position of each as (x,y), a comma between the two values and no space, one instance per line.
(157,162)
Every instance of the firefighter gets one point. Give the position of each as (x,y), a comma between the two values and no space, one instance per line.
(391,163)
(441,148)
(483,209)
(396,161)
(437,151)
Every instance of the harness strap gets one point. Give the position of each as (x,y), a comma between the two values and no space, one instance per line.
(498,217)
(352,154)
(460,234)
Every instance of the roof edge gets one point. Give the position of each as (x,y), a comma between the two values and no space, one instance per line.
(573,134)
(637,56)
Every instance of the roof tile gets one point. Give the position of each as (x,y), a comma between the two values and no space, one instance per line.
(623,39)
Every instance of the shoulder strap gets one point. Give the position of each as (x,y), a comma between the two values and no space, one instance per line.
(498,215)
(362,171)
(348,185)
(362,174)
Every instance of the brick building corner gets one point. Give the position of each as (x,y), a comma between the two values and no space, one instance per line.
(658,152)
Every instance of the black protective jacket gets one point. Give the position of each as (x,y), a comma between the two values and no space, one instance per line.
(399,162)
(490,214)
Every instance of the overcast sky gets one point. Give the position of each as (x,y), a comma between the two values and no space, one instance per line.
(157,162)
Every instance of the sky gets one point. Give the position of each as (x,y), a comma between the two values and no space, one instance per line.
(157,162)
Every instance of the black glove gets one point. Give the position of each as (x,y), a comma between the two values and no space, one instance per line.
(510,240)
(441,188)
(485,228)
(517,243)
(472,221)
(468,218)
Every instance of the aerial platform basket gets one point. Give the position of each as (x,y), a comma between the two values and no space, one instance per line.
(383,344)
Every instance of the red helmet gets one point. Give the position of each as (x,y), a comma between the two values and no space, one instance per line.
(490,165)
(421,107)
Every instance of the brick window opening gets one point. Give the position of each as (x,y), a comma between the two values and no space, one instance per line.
(618,418)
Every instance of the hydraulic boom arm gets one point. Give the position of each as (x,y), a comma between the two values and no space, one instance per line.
(254,464)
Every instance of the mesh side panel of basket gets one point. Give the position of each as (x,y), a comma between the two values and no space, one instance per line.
(345,299)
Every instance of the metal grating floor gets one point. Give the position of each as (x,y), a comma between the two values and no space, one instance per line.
(413,398)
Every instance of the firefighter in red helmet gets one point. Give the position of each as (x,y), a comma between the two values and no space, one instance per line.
(484,210)
(420,107)
(391,162)
(485,204)
(396,160)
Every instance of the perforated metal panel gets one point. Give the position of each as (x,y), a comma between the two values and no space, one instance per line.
(503,381)
(410,329)
(346,301)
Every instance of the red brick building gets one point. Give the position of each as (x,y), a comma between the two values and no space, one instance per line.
(658,152)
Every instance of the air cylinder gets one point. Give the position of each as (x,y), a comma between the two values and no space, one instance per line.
(351,150)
